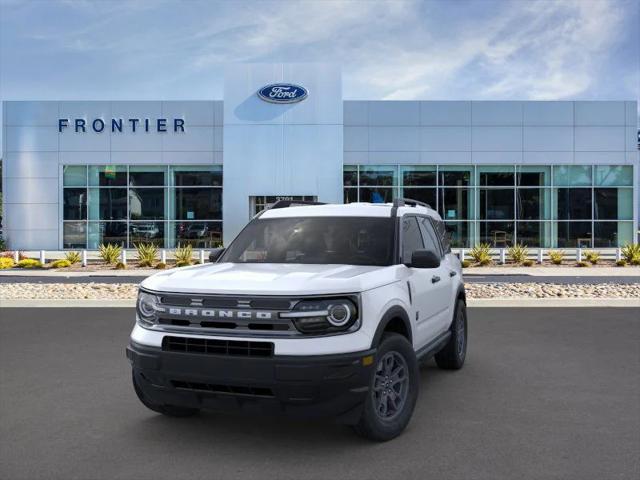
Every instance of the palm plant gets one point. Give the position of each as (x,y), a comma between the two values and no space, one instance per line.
(110,252)
(147,254)
(481,254)
(518,253)
(184,255)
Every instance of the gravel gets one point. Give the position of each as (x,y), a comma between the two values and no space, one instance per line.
(124,291)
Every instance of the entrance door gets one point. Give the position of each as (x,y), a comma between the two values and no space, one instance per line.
(260,202)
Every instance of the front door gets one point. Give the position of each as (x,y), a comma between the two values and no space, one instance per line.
(260,202)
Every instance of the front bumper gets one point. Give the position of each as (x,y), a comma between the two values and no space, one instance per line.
(296,386)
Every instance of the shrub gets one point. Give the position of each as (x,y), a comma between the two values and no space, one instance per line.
(518,253)
(73,257)
(62,263)
(621,263)
(147,254)
(592,256)
(527,263)
(481,254)
(631,253)
(582,263)
(556,256)
(6,262)
(110,252)
(466,263)
(184,255)
(9,254)
(29,263)
(120,266)
(161,266)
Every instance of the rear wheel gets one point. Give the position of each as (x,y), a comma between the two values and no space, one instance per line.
(169,410)
(452,356)
(393,390)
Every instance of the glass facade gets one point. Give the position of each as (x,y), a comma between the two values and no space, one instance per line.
(127,205)
(540,206)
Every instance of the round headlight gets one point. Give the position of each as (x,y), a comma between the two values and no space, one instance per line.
(146,306)
(339,314)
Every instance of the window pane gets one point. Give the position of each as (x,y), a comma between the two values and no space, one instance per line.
(613,203)
(378,175)
(411,238)
(377,195)
(74,176)
(614,175)
(534,234)
(426,195)
(146,232)
(146,203)
(196,176)
(574,234)
(429,236)
(455,175)
(533,203)
(75,204)
(74,235)
(197,234)
(496,204)
(497,234)
(107,232)
(533,176)
(498,175)
(419,175)
(573,203)
(572,175)
(350,195)
(146,175)
(198,203)
(108,176)
(458,234)
(107,204)
(350,176)
(456,204)
(613,234)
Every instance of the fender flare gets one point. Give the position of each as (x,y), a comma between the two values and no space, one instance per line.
(393,312)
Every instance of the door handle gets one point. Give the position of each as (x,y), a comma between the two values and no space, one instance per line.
(453,273)
(435,279)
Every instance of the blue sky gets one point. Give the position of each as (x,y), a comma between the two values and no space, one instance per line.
(455,49)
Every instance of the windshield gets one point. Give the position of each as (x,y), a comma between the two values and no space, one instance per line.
(315,240)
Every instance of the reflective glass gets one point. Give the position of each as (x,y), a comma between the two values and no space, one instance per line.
(75,204)
(107,204)
(197,234)
(384,175)
(107,176)
(573,203)
(146,232)
(496,203)
(146,203)
(196,176)
(74,235)
(533,176)
(197,203)
(147,175)
(496,175)
(456,204)
(574,234)
(426,195)
(418,176)
(458,233)
(534,234)
(613,203)
(572,175)
(497,234)
(350,176)
(455,175)
(107,232)
(533,203)
(350,195)
(74,176)
(377,195)
(612,234)
(614,175)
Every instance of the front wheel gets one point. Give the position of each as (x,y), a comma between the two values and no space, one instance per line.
(452,356)
(393,390)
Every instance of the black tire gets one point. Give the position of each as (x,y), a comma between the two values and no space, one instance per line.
(382,426)
(452,356)
(168,410)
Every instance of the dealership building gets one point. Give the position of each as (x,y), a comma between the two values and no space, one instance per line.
(547,174)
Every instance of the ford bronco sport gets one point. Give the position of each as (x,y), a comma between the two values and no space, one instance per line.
(313,310)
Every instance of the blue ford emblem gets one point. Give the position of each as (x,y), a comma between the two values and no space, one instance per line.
(283,93)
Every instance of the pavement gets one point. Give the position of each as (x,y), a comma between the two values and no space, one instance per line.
(544,394)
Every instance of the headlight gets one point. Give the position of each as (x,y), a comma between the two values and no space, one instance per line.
(328,315)
(147,306)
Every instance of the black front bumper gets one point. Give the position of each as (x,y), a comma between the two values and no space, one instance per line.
(296,386)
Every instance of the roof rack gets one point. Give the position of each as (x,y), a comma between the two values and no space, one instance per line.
(292,203)
(401,202)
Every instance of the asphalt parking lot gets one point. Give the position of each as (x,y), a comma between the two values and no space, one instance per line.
(546,393)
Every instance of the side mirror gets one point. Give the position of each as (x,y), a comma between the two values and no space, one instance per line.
(215,254)
(424,259)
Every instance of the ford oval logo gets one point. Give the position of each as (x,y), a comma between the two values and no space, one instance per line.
(283,93)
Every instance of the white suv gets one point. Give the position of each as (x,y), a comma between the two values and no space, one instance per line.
(313,310)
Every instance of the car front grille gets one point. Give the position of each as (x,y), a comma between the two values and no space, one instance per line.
(208,346)
(227,389)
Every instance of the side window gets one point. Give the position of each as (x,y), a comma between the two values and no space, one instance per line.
(430,239)
(411,238)
(441,229)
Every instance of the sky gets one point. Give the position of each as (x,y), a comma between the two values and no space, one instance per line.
(403,50)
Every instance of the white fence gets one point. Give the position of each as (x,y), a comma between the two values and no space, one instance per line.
(126,256)
(541,255)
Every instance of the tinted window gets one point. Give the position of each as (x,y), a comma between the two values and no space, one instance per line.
(315,240)
(411,238)
(441,230)
(429,235)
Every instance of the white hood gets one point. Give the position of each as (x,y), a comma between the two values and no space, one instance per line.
(271,279)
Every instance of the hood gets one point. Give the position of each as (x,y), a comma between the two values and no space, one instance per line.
(271,279)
